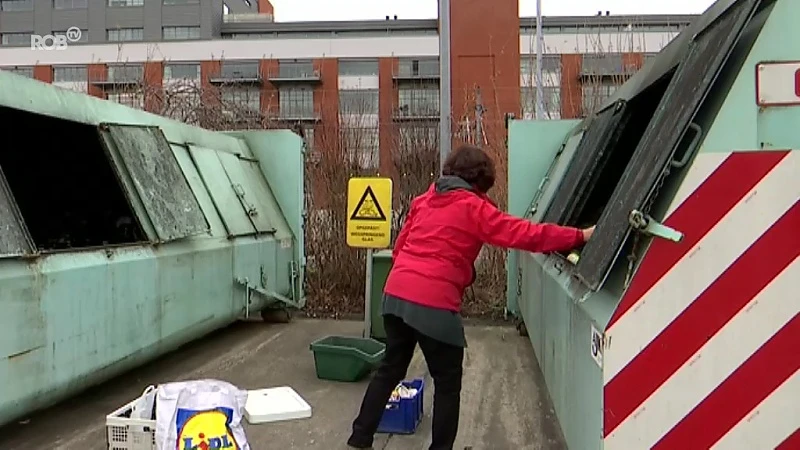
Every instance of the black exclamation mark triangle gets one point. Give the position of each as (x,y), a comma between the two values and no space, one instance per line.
(378,215)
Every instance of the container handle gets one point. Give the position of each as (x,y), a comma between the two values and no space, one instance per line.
(691,150)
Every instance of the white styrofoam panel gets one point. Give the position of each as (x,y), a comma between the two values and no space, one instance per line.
(275,404)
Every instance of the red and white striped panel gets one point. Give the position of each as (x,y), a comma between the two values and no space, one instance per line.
(704,349)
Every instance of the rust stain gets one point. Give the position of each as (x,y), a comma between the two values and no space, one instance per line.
(24,352)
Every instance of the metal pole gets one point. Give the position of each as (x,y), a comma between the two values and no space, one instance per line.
(539,52)
(445,82)
(368,296)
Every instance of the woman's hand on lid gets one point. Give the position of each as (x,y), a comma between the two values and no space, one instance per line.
(587,233)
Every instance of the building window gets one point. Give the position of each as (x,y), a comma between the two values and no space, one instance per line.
(296,103)
(240,70)
(70,4)
(360,102)
(550,63)
(602,64)
(84,37)
(248,36)
(126,35)
(419,101)
(551,70)
(15,39)
(648,58)
(296,69)
(69,74)
(125,3)
(361,145)
(180,33)
(244,99)
(181,100)
(552,102)
(22,71)
(596,93)
(419,67)
(131,99)
(124,74)
(308,137)
(655,28)
(414,138)
(16,5)
(358,67)
(181,2)
(182,71)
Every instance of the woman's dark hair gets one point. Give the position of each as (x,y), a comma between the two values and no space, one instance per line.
(472,165)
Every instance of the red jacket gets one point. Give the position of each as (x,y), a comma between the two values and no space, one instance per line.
(442,235)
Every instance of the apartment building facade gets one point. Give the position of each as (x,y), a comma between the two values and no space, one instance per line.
(379,78)
(122,20)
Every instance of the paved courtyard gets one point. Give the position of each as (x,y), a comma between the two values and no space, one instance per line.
(504,405)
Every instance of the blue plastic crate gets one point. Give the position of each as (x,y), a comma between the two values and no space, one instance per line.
(404,415)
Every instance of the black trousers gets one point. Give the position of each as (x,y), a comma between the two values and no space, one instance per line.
(445,366)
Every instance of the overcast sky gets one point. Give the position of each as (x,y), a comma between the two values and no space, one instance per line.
(296,10)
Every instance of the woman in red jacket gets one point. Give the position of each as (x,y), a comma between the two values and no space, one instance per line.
(433,265)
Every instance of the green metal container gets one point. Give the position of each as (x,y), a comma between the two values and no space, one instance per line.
(349,359)
(381,265)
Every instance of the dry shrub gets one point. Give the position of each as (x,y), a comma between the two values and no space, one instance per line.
(414,164)
(336,272)
(343,147)
(482,125)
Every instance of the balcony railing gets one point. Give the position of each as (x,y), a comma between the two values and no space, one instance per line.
(605,66)
(242,114)
(294,73)
(417,70)
(416,112)
(238,73)
(118,75)
(298,114)
(21,71)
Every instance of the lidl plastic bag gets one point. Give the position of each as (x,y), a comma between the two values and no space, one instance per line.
(144,405)
(202,414)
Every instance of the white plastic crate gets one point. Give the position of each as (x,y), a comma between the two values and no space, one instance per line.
(123,433)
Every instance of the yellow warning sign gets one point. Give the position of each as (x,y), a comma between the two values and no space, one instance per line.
(369,212)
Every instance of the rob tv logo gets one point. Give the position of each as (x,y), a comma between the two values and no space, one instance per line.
(57,41)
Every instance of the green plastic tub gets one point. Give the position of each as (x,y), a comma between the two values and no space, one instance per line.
(349,359)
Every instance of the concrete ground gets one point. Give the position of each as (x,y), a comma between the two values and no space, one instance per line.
(504,404)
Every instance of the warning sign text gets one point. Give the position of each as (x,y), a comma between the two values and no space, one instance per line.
(369,205)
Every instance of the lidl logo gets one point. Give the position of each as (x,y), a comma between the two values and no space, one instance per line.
(205,430)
